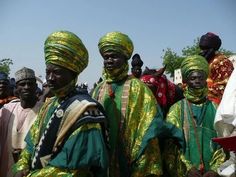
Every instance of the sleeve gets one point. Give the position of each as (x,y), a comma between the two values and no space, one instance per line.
(173,157)
(217,159)
(83,153)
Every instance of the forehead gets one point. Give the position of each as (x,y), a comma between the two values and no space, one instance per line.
(26,81)
(197,73)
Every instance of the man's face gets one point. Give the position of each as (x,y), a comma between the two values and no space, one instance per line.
(196,79)
(26,88)
(136,71)
(113,61)
(4,86)
(57,77)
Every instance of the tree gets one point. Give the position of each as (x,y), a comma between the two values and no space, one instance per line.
(5,65)
(172,61)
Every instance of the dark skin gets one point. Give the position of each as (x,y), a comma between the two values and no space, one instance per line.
(136,71)
(113,60)
(197,80)
(57,77)
(26,90)
(4,88)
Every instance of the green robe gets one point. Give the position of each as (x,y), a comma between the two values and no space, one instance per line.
(133,119)
(196,121)
(83,152)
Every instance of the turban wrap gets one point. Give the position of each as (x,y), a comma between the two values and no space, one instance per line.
(194,63)
(136,61)
(118,42)
(210,41)
(65,49)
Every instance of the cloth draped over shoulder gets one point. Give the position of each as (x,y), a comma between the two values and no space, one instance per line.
(189,117)
(133,123)
(78,146)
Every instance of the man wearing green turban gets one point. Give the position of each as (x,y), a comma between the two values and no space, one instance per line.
(67,138)
(132,112)
(194,116)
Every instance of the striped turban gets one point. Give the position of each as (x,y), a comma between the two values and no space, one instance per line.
(118,42)
(193,63)
(65,49)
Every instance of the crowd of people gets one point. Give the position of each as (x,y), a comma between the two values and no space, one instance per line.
(130,125)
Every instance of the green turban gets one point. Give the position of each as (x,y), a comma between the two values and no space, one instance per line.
(118,42)
(65,49)
(194,63)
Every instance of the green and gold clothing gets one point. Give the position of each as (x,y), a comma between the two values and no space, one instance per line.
(196,121)
(133,117)
(67,139)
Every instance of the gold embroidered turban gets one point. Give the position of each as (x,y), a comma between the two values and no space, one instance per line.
(116,41)
(193,63)
(65,49)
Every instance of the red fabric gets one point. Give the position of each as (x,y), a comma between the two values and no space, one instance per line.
(165,90)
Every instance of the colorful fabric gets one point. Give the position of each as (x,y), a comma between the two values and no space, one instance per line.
(192,63)
(220,69)
(116,41)
(24,73)
(133,123)
(15,122)
(165,93)
(65,49)
(76,145)
(6,100)
(196,121)
(195,95)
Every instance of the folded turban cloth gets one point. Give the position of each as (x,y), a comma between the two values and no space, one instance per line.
(65,49)
(210,41)
(3,76)
(24,73)
(136,60)
(193,63)
(116,41)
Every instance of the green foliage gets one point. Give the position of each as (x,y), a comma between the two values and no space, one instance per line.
(172,60)
(5,65)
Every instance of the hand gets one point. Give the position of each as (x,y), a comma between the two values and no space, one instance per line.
(211,174)
(194,172)
(22,173)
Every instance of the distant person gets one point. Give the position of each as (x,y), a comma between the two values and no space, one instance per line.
(5,88)
(219,65)
(136,64)
(132,112)
(16,119)
(68,137)
(194,116)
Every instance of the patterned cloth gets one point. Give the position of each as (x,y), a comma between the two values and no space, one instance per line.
(133,123)
(67,139)
(116,41)
(220,70)
(65,49)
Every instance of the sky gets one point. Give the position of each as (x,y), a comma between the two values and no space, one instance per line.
(152,25)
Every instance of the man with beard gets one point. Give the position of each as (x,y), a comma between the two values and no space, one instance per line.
(131,110)
(16,119)
(68,136)
(194,116)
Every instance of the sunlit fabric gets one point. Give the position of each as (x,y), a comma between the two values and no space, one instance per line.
(65,49)
(116,41)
